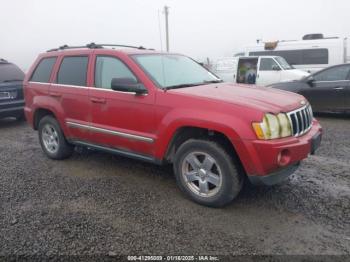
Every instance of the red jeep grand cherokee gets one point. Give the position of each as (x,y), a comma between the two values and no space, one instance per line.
(166,108)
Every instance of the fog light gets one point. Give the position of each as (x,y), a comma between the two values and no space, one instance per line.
(283,158)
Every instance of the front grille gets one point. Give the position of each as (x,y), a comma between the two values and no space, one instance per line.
(301,120)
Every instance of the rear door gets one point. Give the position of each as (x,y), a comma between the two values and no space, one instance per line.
(71,91)
(269,72)
(328,91)
(246,70)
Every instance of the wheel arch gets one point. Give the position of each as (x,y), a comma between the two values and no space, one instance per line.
(184,133)
(45,105)
(39,113)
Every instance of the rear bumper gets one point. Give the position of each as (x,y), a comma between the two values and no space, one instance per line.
(11,108)
(269,162)
(28,112)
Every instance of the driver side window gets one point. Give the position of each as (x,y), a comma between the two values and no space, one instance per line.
(107,68)
(333,74)
(268,64)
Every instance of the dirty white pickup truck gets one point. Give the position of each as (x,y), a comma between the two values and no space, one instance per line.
(257,70)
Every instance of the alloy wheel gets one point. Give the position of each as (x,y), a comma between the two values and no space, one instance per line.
(202,174)
(50,138)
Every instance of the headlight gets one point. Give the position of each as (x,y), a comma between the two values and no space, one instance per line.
(273,127)
(286,129)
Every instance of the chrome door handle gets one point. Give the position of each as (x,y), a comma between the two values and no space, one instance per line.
(55,94)
(338,88)
(98,100)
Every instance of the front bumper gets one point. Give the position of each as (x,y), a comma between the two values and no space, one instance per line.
(275,177)
(271,161)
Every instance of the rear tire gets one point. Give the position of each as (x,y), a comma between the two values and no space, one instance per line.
(206,173)
(52,139)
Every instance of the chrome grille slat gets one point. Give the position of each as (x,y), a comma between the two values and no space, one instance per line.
(307,113)
(306,125)
(311,114)
(300,120)
(294,124)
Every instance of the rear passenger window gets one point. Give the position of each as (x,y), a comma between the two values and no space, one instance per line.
(43,71)
(108,68)
(73,71)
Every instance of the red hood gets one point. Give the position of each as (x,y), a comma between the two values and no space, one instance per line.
(265,99)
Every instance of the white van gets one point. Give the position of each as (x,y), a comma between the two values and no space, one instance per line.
(311,54)
(258,70)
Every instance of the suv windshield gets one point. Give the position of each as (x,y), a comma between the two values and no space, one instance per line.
(174,71)
(10,72)
(283,63)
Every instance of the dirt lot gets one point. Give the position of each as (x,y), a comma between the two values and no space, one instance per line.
(95,203)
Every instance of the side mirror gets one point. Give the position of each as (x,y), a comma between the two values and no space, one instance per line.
(276,68)
(310,81)
(128,85)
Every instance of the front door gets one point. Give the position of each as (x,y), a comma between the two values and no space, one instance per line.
(269,72)
(121,120)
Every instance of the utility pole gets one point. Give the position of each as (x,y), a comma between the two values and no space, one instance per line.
(166,13)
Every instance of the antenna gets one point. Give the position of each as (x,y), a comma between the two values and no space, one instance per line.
(160,32)
(166,12)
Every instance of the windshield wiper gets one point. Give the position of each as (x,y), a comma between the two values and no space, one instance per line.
(213,81)
(182,85)
(195,84)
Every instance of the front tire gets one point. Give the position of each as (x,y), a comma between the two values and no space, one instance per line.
(206,173)
(52,139)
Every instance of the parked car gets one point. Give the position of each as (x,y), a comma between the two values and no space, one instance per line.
(259,70)
(327,90)
(166,108)
(11,90)
(313,53)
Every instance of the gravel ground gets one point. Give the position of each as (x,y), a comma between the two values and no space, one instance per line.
(96,203)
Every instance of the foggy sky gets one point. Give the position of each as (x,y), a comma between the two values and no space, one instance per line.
(197,28)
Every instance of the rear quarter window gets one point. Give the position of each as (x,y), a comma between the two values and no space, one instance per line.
(43,70)
(73,71)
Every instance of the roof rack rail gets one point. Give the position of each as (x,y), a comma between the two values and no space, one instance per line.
(63,47)
(3,60)
(96,46)
(128,46)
